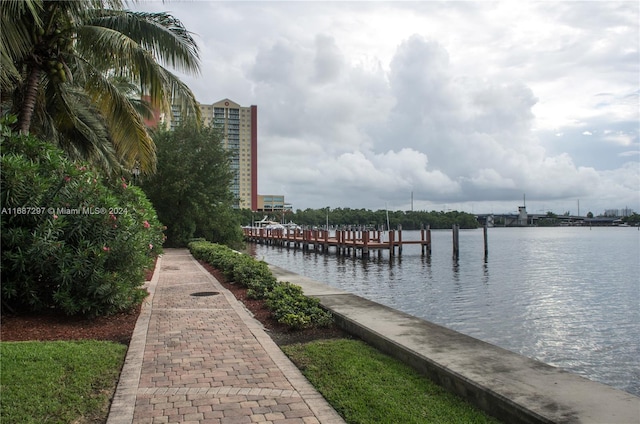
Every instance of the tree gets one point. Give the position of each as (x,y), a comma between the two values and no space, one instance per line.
(549,220)
(633,219)
(59,61)
(191,189)
(410,220)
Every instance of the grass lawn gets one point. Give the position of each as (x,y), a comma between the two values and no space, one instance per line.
(366,386)
(58,382)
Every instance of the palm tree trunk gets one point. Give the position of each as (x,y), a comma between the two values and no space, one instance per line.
(29,104)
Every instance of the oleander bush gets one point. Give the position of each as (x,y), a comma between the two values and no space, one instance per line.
(287,302)
(72,240)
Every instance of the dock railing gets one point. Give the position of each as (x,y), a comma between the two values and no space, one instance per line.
(343,241)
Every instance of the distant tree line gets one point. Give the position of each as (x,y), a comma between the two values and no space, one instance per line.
(344,217)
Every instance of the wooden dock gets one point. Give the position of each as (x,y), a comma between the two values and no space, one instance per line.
(343,242)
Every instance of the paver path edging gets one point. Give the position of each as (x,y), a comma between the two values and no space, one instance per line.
(205,359)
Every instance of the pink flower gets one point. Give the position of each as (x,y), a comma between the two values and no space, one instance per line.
(150,246)
(105,248)
(67,178)
(124,185)
(146,224)
(112,216)
(55,216)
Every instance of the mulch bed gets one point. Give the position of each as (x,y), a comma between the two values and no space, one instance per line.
(119,327)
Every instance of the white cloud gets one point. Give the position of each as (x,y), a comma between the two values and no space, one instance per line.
(490,179)
(462,103)
(328,61)
(619,138)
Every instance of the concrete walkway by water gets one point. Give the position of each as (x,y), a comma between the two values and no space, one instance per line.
(204,359)
(509,386)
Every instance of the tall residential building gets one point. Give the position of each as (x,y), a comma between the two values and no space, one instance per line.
(239,126)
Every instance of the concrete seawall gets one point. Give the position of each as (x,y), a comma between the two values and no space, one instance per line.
(508,386)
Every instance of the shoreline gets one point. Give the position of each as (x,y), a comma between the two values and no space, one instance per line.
(505,384)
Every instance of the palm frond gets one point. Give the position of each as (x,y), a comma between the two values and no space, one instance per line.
(86,60)
(20,22)
(160,33)
(77,127)
(132,92)
(133,62)
(127,131)
(182,96)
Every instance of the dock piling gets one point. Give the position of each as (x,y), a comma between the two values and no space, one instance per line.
(486,243)
(456,241)
(361,239)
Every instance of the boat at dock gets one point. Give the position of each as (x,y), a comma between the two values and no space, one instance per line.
(273,225)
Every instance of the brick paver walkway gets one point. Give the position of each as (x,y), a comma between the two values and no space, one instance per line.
(204,359)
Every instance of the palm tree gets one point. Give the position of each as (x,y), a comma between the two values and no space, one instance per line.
(62,64)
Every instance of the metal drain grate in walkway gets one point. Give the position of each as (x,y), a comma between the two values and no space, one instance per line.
(205,293)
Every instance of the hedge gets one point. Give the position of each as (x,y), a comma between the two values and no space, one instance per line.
(286,301)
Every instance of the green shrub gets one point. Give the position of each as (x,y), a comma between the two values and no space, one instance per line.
(255,275)
(243,269)
(218,256)
(72,240)
(291,307)
(287,302)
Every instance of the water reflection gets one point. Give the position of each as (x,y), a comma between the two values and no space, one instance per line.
(456,270)
(485,272)
(566,296)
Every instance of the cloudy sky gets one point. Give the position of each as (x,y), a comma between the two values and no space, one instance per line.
(468,105)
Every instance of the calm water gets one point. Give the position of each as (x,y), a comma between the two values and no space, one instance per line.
(569,297)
